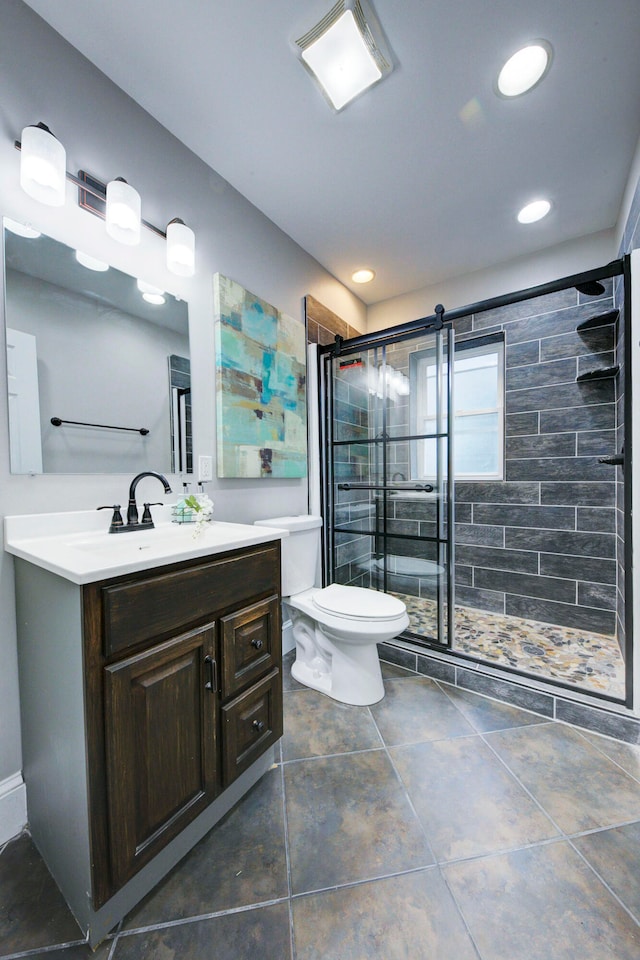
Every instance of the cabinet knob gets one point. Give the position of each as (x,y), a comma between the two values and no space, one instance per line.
(257,643)
(258,726)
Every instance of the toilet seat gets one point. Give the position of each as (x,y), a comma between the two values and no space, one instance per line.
(358,603)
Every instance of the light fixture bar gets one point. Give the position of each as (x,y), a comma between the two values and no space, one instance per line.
(89,186)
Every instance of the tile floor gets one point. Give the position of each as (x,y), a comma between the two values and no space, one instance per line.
(435,825)
(589,661)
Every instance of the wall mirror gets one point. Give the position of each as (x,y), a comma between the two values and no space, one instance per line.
(98,368)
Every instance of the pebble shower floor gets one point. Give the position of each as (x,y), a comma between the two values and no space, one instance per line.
(591,661)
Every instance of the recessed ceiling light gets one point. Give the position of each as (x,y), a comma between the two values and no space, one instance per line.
(91,263)
(363,276)
(533,211)
(525,69)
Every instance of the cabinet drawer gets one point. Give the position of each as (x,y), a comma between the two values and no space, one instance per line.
(251,644)
(250,724)
(159,604)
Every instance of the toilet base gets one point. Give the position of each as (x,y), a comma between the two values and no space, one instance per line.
(349,673)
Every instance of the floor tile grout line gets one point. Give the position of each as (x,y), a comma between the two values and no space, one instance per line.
(505,851)
(521,784)
(484,696)
(197,918)
(37,951)
(404,789)
(115,942)
(583,733)
(351,884)
(331,756)
(287,853)
(602,829)
(460,912)
(618,899)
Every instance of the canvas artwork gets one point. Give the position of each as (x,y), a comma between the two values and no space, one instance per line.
(261,397)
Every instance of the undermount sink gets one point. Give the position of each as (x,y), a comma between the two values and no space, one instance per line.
(78,547)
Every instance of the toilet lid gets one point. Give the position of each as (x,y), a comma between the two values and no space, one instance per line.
(358,603)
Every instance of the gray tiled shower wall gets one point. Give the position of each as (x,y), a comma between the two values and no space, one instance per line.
(544,542)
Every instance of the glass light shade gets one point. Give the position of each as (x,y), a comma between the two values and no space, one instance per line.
(181,249)
(123,212)
(341,61)
(534,211)
(43,166)
(524,69)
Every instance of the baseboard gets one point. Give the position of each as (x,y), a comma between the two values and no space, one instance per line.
(13,807)
(288,643)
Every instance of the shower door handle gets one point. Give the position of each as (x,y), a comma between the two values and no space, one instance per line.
(423,487)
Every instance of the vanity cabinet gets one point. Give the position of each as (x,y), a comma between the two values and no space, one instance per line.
(161,718)
(180,701)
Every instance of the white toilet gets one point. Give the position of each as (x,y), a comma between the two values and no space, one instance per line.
(336,629)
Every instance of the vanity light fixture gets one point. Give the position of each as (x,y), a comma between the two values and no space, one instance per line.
(43,176)
(345,52)
(181,248)
(123,212)
(365,275)
(525,69)
(91,263)
(43,166)
(534,211)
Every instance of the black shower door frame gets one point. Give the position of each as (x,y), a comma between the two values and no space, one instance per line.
(346,354)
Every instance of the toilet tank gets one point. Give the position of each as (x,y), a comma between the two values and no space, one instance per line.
(299,551)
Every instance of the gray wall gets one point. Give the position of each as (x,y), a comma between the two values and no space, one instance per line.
(44,78)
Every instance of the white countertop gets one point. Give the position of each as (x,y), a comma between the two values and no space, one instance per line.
(77,546)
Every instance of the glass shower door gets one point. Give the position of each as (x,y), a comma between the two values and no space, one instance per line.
(387,479)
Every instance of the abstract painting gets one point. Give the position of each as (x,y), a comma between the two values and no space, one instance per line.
(261,397)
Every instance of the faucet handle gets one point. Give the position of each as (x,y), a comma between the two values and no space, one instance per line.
(146,515)
(116,519)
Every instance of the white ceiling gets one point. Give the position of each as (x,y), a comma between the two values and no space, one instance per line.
(422,176)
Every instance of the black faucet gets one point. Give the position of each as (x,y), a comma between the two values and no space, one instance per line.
(132,509)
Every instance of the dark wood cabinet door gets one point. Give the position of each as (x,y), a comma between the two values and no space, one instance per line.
(251,645)
(161,752)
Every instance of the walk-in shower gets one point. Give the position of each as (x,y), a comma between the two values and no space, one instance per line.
(473,465)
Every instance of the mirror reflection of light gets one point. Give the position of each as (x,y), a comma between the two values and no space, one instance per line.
(21,229)
(150,293)
(386,381)
(91,263)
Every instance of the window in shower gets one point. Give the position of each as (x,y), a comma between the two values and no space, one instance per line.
(478,423)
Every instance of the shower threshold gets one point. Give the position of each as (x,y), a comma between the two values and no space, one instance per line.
(588,661)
